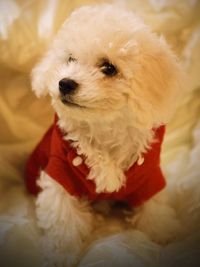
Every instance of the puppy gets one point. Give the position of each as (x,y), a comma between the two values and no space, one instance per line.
(113,84)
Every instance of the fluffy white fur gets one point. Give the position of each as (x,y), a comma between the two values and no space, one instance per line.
(113,126)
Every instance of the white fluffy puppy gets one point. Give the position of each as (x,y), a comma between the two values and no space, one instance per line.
(112,82)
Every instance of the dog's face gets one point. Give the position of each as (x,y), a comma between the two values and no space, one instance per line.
(104,63)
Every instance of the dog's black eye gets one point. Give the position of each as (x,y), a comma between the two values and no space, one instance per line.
(71,59)
(108,68)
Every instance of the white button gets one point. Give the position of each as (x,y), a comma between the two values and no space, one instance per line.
(140,161)
(77,161)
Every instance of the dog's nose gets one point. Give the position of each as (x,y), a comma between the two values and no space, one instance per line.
(67,86)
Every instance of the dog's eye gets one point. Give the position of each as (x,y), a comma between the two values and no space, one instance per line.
(108,68)
(71,59)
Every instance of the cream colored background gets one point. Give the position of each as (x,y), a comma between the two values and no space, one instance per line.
(26,28)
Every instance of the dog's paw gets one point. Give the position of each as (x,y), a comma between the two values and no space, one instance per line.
(161,224)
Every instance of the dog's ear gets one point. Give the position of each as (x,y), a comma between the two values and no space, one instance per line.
(170,79)
(164,81)
(39,76)
(157,84)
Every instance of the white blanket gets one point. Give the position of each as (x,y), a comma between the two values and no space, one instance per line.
(26,27)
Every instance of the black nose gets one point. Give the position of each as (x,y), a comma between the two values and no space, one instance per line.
(67,86)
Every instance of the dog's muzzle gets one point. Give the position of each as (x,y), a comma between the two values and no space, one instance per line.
(67,86)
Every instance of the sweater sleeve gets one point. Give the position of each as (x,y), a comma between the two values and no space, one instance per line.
(38,161)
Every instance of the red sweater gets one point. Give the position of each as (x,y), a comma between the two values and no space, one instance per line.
(55,155)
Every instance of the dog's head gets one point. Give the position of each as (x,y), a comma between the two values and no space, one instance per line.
(105,62)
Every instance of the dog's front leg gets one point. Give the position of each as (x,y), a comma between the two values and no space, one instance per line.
(65,221)
(158,220)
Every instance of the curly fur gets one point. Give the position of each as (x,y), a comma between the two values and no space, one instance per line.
(117,110)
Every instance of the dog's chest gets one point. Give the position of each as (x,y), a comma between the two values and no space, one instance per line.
(95,178)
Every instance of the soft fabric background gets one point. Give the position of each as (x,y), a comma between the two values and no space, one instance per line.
(26,28)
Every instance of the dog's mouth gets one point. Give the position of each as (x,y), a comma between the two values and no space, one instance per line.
(69,102)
